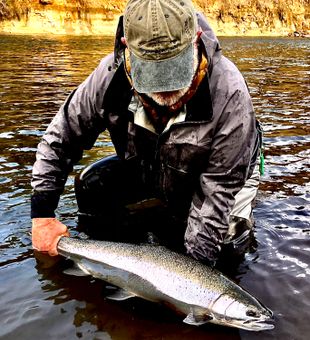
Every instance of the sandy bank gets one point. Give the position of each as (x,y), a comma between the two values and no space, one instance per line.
(100,17)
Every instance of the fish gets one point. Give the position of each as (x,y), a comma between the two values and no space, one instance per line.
(153,272)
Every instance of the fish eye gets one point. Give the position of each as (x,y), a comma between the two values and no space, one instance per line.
(252,313)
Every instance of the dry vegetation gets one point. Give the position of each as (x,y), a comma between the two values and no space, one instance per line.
(16,9)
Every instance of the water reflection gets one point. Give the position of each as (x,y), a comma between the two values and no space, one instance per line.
(283,264)
(36,74)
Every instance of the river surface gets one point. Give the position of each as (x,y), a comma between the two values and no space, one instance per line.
(37,300)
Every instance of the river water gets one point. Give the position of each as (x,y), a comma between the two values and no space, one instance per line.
(38,301)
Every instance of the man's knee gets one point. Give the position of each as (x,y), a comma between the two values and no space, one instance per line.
(98,185)
(109,185)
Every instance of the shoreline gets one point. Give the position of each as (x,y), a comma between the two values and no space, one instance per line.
(271,18)
(100,27)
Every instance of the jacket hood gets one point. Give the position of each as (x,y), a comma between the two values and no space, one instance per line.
(211,43)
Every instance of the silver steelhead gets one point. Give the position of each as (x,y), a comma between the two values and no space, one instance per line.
(157,274)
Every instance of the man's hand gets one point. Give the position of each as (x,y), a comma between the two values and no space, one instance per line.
(46,233)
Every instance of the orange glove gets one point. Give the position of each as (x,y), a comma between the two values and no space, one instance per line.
(46,233)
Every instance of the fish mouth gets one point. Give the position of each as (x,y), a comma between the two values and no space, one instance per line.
(262,323)
(258,324)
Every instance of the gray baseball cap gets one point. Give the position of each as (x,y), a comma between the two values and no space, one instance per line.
(160,35)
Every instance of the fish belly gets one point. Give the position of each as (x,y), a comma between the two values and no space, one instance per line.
(123,279)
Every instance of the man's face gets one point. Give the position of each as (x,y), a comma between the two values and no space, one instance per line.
(170,98)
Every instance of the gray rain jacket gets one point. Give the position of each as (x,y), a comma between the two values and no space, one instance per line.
(199,164)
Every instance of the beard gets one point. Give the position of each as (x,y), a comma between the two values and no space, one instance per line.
(167,98)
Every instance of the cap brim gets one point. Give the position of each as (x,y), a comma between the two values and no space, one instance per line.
(164,75)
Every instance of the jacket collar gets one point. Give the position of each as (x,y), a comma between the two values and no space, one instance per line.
(119,47)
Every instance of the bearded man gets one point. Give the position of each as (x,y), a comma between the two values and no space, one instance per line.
(182,123)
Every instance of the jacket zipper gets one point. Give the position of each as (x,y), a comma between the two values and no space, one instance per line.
(160,137)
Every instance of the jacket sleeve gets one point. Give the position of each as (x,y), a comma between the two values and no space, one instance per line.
(226,172)
(74,128)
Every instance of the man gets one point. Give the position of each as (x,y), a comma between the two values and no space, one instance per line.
(182,123)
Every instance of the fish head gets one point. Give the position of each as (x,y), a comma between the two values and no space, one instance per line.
(252,316)
(243,312)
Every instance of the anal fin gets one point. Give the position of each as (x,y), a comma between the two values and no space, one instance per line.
(75,271)
(120,295)
(197,319)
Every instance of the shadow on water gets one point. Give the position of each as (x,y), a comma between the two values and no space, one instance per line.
(38,300)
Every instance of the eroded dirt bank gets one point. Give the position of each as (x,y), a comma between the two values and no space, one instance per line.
(227,17)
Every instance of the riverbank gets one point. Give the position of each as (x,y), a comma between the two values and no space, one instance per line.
(94,17)
(47,25)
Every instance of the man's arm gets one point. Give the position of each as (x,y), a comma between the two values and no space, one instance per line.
(227,170)
(74,128)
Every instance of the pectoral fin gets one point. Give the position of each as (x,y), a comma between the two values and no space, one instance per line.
(75,271)
(197,319)
(120,295)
